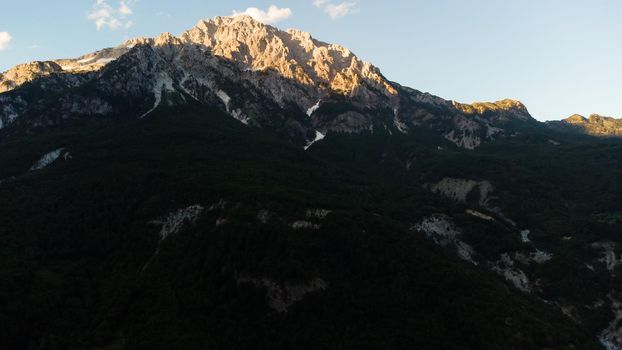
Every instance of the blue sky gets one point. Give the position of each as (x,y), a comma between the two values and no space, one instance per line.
(557,56)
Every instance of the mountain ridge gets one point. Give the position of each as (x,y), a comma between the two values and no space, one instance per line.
(258,63)
(595,125)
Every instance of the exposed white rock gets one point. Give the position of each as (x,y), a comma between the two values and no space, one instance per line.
(524,236)
(609,257)
(313,108)
(317,213)
(162,84)
(611,337)
(281,297)
(554,143)
(86,60)
(463,139)
(224,97)
(172,224)
(221,204)
(459,189)
(175,221)
(293,54)
(318,137)
(442,231)
(538,257)
(398,123)
(505,267)
(235,113)
(183,81)
(47,159)
(304,225)
(27,72)
(492,131)
(479,215)
(105,60)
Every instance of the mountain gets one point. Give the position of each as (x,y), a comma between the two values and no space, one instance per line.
(285,81)
(595,125)
(239,186)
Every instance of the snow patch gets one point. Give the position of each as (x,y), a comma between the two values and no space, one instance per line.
(318,137)
(47,159)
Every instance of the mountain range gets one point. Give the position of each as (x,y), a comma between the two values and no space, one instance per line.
(240,186)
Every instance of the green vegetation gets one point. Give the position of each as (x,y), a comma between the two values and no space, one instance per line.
(76,236)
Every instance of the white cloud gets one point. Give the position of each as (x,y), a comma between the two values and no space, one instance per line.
(273,15)
(124,9)
(337,10)
(340,10)
(5,40)
(104,15)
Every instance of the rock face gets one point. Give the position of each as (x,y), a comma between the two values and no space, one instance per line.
(464,190)
(595,125)
(264,77)
(24,73)
(441,229)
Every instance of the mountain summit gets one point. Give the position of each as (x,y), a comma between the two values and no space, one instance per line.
(596,125)
(264,77)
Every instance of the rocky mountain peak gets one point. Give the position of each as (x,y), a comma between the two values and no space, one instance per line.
(23,73)
(576,118)
(294,54)
(595,124)
(505,110)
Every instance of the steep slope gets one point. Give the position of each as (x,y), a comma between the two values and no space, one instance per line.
(282,80)
(188,229)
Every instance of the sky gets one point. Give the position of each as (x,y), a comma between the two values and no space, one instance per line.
(559,57)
